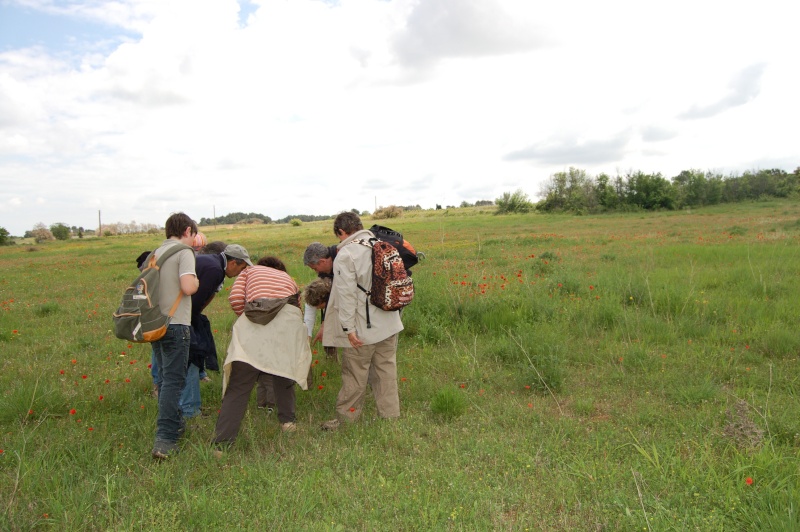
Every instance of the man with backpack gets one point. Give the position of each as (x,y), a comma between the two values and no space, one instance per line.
(369,352)
(177,277)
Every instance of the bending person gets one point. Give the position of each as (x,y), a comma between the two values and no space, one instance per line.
(269,337)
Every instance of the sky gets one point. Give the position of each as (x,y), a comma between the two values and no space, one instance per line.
(130,110)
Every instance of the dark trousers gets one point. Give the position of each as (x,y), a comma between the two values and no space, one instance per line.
(237,395)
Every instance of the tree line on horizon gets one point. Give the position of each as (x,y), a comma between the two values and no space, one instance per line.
(576,191)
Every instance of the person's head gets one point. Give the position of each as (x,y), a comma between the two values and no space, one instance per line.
(180,226)
(317,292)
(199,241)
(213,248)
(345,224)
(238,259)
(318,258)
(272,262)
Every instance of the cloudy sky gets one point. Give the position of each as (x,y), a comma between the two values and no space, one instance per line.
(139,108)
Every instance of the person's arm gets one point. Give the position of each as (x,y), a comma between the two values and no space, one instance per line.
(347,292)
(310,318)
(189,284)
(237,297)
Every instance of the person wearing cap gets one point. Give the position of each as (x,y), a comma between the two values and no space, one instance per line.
(319,258)
(211,272)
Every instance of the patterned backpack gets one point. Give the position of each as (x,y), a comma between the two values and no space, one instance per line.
(392,288)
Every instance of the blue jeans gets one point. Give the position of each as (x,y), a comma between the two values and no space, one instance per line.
(154,368)
(190,398)
(172,354)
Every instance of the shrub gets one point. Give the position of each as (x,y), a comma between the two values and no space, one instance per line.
(448,403)
(295,222)
(60,231)
(4,237)
(41,233)
(391,211)
(517,202)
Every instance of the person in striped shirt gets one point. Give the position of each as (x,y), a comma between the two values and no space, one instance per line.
(268,337)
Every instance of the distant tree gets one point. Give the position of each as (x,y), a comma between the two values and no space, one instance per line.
(41,233)
(465,204)
(392,211)
(235,217)
(60,231)
(484,203)
(516,202)
(4,237)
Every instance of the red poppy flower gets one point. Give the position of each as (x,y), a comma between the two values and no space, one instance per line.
(73,412)
(100,398)
(107,381)
(14,331)
(74,361)
(83,376)
(30,412)
(352,409)
(91,429)
(127,380)
(62,371)
(320,387)
(324,374)
(748,481)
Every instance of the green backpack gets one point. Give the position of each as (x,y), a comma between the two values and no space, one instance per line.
(139,318)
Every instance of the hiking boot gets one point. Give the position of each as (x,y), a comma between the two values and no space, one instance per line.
(289,426)
(330,425)
(163,450)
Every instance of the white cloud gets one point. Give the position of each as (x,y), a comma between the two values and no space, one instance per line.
(306,106)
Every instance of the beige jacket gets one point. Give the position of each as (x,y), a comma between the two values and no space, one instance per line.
(347,304)
(279,347)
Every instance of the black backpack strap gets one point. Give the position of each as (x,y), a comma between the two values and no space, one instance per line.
(366,302)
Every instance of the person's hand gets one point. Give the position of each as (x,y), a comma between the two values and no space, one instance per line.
(318,337)
(355,341)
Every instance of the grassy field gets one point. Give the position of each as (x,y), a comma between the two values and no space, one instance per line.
(616,372)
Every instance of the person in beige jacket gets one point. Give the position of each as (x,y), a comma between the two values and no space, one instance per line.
(368,353)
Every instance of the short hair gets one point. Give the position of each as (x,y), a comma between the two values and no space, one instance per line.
(349,222)
(177,223)
(315,252)
(317,292)
(272,262)
(212,248)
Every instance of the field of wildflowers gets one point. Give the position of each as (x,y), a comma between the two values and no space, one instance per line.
(616,372)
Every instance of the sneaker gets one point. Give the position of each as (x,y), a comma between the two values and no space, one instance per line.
(163,450)
(289,426)
(206,379)
(331,425)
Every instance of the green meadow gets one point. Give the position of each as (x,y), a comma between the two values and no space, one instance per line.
(632,371)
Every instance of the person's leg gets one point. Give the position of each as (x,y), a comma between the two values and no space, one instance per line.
(154,372)
(285,397)
(332,353)
(234,403)
(265,392)
(355,370)
(172,354)
(384,378)
(190,398)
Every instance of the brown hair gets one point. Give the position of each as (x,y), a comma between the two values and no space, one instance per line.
(349,222)
(177,224)
(317,292)
(272,262)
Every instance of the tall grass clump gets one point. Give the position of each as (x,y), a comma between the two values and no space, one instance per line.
(448,403)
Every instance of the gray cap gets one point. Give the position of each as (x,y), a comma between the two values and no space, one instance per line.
(236,251)
(314,252)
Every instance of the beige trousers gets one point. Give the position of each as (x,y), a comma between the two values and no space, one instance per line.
(375,365)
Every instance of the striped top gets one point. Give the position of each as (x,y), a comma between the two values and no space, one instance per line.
(257,282)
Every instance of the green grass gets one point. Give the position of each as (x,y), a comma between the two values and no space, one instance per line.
(616,372)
